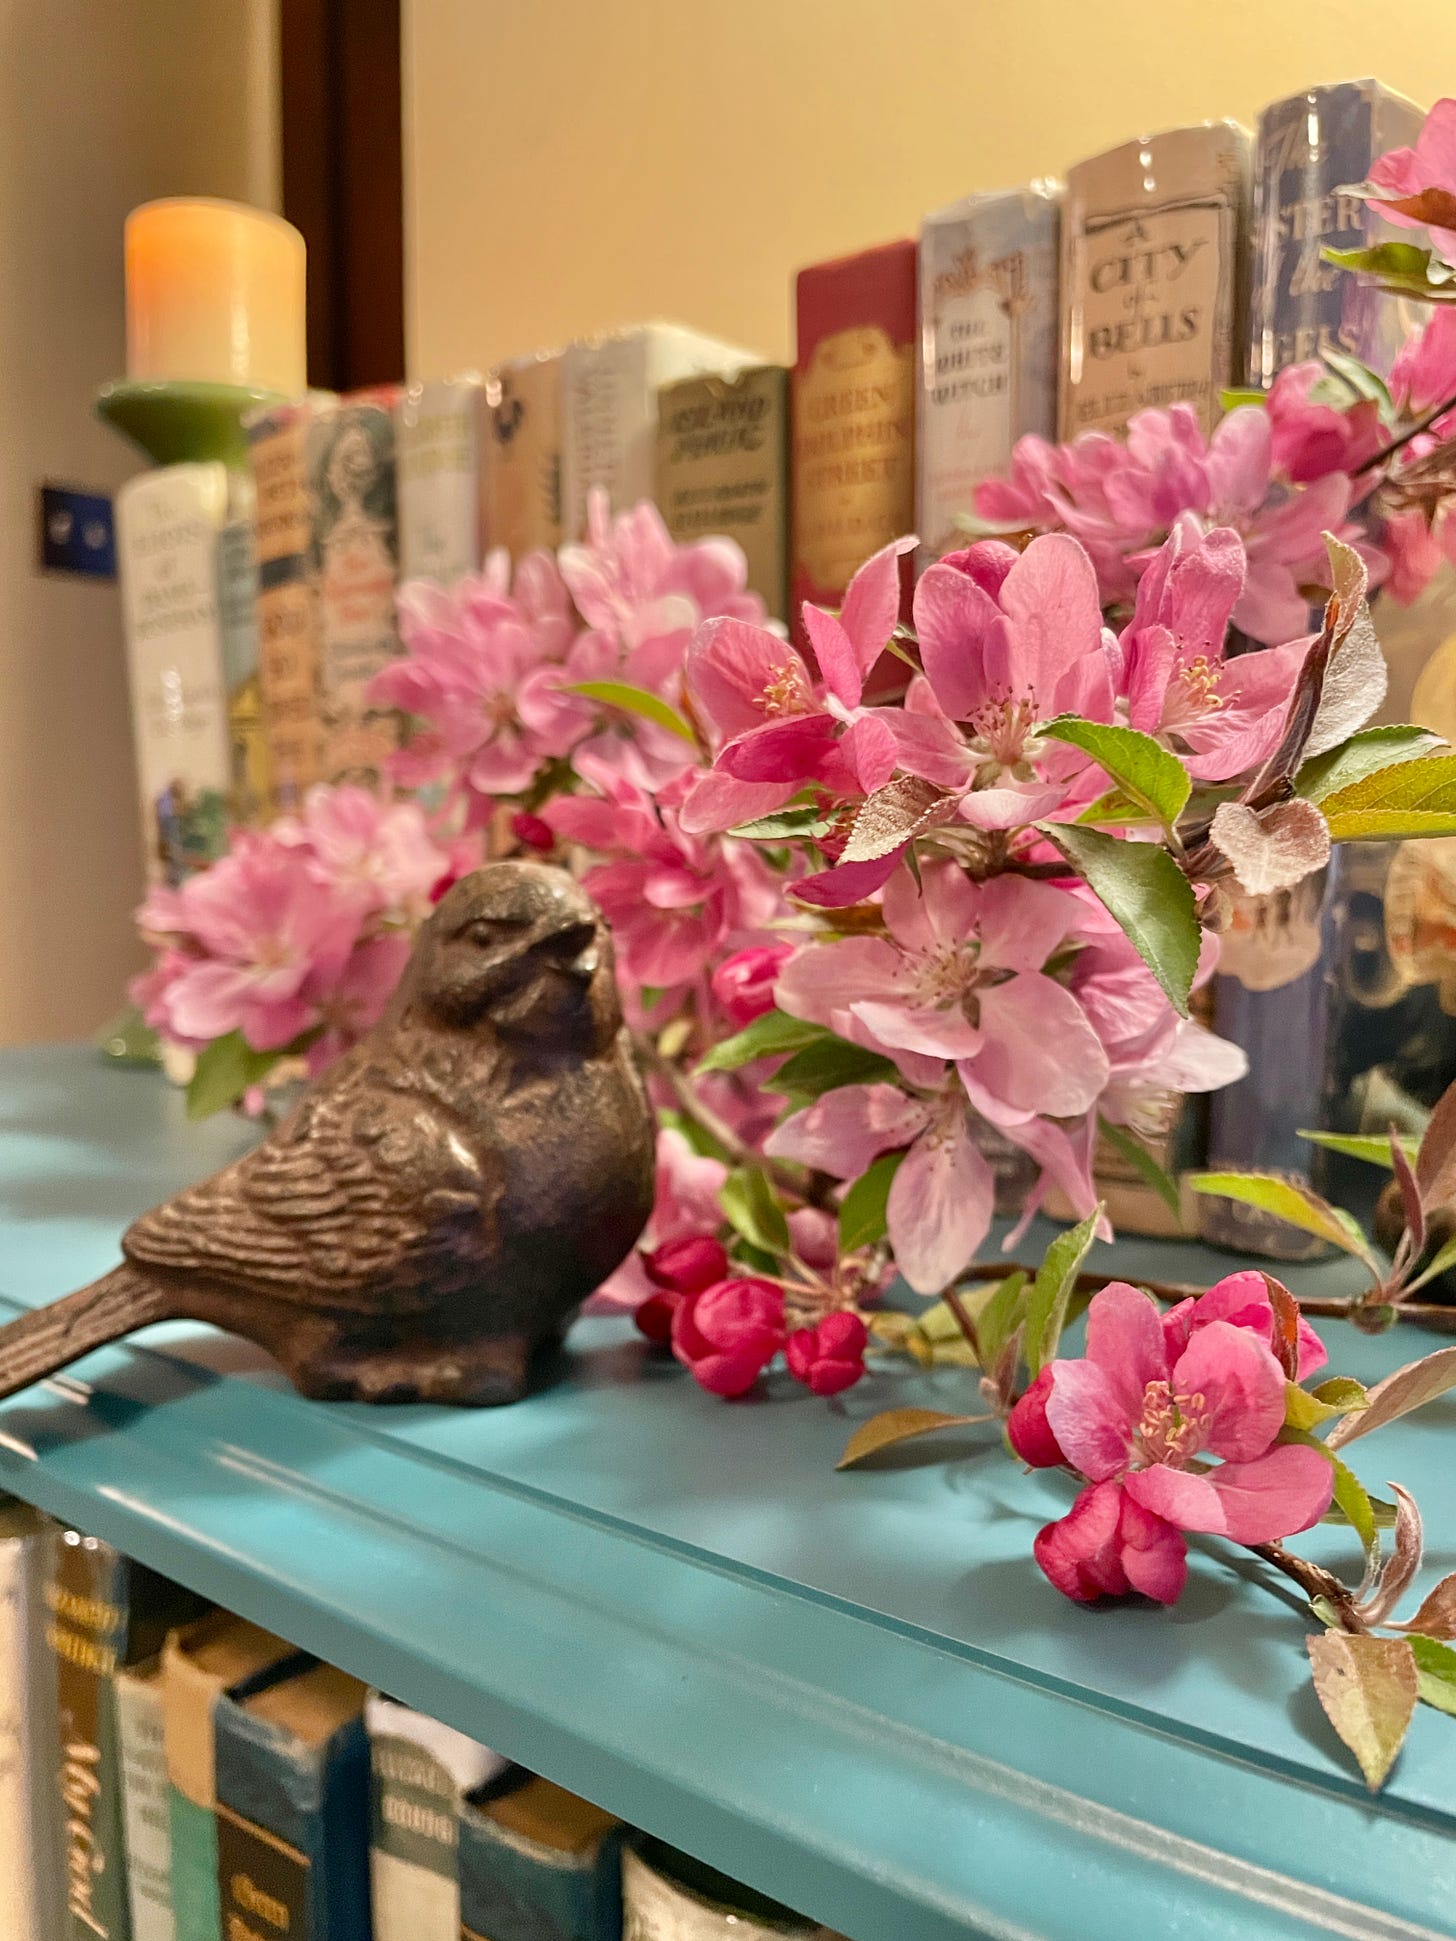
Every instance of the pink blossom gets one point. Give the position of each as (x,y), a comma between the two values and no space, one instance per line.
(1431,165)
(359,839)
(632,583)
(744,983)
(1424,372)
(1222,717)
(728,1334)
(772,725)
(1142,1405)
(829,1357)
(1243,1301)
(670,897)
(1309,435)
(255,942)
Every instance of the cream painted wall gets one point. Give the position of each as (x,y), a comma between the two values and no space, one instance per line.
(101,106)
(573,164)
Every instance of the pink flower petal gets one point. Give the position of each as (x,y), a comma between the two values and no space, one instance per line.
(846,883)
(1087,1414)
(820,982)
(716,802)
(872,603)
(1125,1340)
(953,618)
(791,750)
(940,1205)
(728,666)
(1242,1387)
(1038,1050)
(844,1132)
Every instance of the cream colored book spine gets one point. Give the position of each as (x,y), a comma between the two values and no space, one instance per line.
(522,459)
(1153,275)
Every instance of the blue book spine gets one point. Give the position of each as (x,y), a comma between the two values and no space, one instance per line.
(551,1874)
(293,1812)
(1308,148)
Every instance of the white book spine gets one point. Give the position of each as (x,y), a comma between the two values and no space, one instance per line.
(420,1771)
(438,458)
(20,1787)
(169,524)
(146,1812)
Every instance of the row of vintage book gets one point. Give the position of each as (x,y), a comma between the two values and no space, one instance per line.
(258,603)
(171,1772)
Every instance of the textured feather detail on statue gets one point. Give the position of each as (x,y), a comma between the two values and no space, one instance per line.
(48,1337)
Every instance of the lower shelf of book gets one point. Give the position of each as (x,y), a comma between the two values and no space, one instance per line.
(851,1691)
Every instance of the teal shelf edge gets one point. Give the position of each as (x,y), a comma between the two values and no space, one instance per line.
(563,1580)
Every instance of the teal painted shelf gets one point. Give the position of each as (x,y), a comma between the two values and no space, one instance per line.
(853,1691)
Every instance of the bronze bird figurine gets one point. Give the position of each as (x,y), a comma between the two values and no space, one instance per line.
(441,1200)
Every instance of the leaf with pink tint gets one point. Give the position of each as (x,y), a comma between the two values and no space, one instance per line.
(1271,849)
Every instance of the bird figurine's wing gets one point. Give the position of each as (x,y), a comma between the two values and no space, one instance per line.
(364,1193)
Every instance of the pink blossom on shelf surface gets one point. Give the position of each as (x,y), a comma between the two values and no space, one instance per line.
(671,898)
(829,1357)
(728,1334)
(1402,174)
(1139,1415)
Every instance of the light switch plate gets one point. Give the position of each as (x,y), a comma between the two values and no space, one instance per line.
(77,534)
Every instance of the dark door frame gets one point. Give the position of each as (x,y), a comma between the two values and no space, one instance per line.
(343,183)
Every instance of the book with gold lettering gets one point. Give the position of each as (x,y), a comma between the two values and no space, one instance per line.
(852,465)
(988,348)
(199,1662)
(145,1817)
(1153,262)
(723,469)
(538,1864)
(438,450)
(1308,148)
(609,410)
(522,460)
(350,457)
(292,1763)
(288,616)
(104,1613)
(420,1771)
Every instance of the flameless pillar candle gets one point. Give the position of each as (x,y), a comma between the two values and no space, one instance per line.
(214,294)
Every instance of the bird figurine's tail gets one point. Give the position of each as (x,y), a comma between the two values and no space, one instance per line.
(48,1337)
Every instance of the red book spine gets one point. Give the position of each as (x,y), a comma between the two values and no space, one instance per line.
(853,473)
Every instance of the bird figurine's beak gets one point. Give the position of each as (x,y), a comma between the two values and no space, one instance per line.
(574,949)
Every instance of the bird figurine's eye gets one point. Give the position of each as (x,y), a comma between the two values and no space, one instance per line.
(482,932)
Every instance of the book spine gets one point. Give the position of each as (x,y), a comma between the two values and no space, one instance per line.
(655,1908)
(86,1596)
(608,427)
(292,1831)
(510,1884)
(29,1910)
(145,1812)
(351,488)
(523,459)
(1309,147)
(852,465)
(438,443)
(988,350)
(413,1845)
(1152,277)
(237,612)
(169,526)
(288,644)
(722,469)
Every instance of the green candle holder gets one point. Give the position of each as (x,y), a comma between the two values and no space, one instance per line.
(180,421)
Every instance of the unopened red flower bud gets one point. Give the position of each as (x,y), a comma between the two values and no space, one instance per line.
(532,831)
(1027,1428)
(828,1357)
(727,1335)
(688,1265)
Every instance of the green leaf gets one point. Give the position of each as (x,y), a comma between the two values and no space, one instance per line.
(750,1208)
(1288,1201)
(1365,753)
(1142,768)
(636,700)
(1306,1409)
(1000,1317)
(1364,382)
(1408,1388)
(1146,892)
(1141,1160)
(1236,395)
(893,1426)
(1368,1689)
(826,1064)
(1046,1309)
(1441,1262)
(1426,785)
(862,1211)
(1356,1506)
(224,1071)
(1400,267)
(1118,811)
(767,1037)
(1371,1146)
(1389,825)
(1435,1672)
